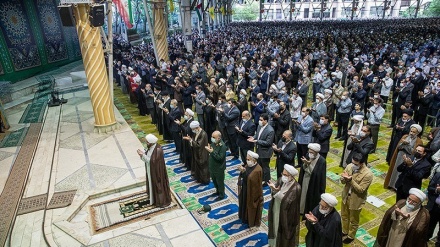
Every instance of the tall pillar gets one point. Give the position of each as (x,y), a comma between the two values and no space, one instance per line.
(261,13)
(229,11)
(186,23)
(96,73)
(160,29)
(214,4)
(203,22)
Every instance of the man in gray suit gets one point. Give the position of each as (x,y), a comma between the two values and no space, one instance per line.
(199,98)
(263,140)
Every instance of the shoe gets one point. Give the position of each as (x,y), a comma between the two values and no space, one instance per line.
(214,194)
(265,184)
(219,198)
(337,137)
(347,240)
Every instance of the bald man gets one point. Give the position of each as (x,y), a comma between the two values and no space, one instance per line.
(217,163)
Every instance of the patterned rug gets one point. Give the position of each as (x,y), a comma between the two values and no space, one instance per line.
(61,199)
(222,223)
(124,210)
(32,204)
(34,112)
(13,190)
(13,139)
(216,224)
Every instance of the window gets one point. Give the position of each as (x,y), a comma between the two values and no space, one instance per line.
(316,13)
(306,13)
(376,11)
(279,14)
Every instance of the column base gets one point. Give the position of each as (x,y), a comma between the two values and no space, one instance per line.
(104,129)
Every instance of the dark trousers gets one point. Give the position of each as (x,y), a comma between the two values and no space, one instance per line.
(302,151)
(243,155)
(264,163)
(400,194)
(374,135)
(316,88)
(395,114)
(218,179)
(177,141)
(344,118)
(385,100)
(201,120)
(434,214)
(421,119)
(233,144)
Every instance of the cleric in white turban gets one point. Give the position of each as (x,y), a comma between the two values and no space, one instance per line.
(156,173)
(250,201)
(395,229)
(189,112)
(312,178)
(324,223)
(315,147)
(284,209)
(194,125)
(417,127)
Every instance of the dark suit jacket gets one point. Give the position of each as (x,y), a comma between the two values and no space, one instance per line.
(173,115)
(322,137)
(243,105)
(287,155)
(247,130)
(264,143)
(432,193)
(282,123)
(364,147)
(424,104)
(231,118)
(411,177)
(403,96)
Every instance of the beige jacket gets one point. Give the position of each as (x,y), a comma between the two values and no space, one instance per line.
(359,185)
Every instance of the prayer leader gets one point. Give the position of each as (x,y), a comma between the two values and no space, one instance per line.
(158,186)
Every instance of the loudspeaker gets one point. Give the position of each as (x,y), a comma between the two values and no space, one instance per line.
(97,14)
(66,14)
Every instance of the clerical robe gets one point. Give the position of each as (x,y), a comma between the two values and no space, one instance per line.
(409,234)
(284,215)
(327,232)
(312,179)
(185,153)
(158,185)
(397,158)
(200,156)
(250,197)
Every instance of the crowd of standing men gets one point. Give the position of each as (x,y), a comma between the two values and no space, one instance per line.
(246,88)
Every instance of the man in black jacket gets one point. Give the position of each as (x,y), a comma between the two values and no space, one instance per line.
(322,133)
(361,144)
(285,152)
(412,172)
(282,121)
(245,129)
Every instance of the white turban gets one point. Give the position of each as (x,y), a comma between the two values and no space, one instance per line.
(191,113)
(130,68)
(314,146)
(358,117)
(328,91)
(320,95)
(290,169)
(356,59)
(151,138)
(242,91)
(194,124)
(418,193)
(252,154)
(124,66)
(418,127)
(329,199)
(222,80)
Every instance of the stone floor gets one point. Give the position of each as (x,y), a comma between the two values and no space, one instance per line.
(70,155)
